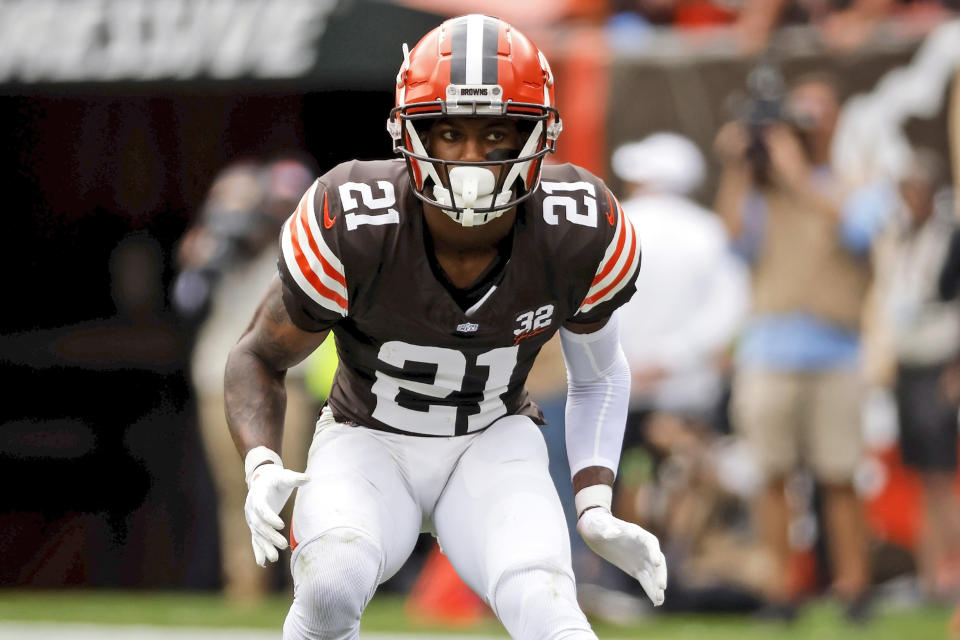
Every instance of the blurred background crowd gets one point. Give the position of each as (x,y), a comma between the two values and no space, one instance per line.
(790,169)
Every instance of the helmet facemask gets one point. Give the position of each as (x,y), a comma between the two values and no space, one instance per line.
(472,193)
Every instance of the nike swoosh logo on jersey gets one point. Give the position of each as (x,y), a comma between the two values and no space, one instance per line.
(327,220)
(611,219)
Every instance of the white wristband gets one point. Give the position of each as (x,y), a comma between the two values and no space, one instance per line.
(257,456)
(596,495)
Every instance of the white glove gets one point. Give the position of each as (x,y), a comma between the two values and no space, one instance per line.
(268,488)
(623,544)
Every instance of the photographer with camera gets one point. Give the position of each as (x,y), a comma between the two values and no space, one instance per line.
(226,255)
(797,390)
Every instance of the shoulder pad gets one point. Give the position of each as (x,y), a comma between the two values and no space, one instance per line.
(594,238)
(364,192)
(310,254)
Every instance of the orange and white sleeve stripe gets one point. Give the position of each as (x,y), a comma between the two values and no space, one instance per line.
(618,266)
(312,264)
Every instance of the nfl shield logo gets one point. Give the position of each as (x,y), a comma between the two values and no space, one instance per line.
(467,327)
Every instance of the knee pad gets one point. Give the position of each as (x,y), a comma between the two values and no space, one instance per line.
(334,578)
(540,603)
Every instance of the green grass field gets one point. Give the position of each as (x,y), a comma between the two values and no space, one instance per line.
(385,614)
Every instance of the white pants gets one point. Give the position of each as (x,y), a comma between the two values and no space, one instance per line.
(488,497)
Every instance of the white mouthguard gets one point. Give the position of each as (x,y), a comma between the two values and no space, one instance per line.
(472,188)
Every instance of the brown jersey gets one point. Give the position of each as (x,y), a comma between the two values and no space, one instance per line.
(411,359)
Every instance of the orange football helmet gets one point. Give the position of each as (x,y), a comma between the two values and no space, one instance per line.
(476,66)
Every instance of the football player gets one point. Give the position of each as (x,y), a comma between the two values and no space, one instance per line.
(441,275)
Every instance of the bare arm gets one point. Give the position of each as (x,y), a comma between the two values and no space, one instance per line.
(591,476)
(791,171)
(847,29)
(733,188)
(736,176)
(756,22)
(256,368)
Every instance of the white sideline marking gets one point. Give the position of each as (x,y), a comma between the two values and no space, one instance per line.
(68,631)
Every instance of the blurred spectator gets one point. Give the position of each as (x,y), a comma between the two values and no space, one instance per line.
(638,16)
(530,14)
(693,14)
(925,339)
(854,23)
(653,12)
(229,254)
(797,388)
(141,334)
(758,19)
(692,296)
(118,413)
(842,25)
(693,292)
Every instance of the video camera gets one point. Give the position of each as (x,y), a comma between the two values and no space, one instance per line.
(764,104)
(766,91)
(759,107)
(231,224)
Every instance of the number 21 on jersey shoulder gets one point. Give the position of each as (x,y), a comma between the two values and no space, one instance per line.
(580,207)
